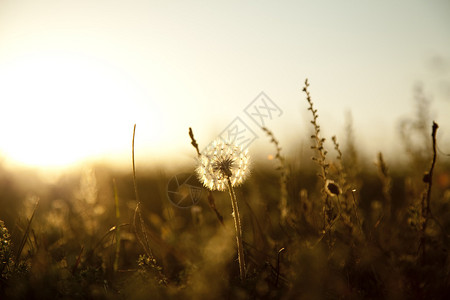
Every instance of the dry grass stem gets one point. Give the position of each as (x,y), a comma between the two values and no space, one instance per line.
(283,205)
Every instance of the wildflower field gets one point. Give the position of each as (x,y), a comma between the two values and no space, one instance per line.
(337,226)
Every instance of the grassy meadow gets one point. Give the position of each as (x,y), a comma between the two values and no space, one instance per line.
(337,226)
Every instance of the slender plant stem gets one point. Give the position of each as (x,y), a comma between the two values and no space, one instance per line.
(426,208)
(134,167)
(278,266)
(137,211)
(430,173)
(237,224)
(26,234)
(356,211)
(116,204)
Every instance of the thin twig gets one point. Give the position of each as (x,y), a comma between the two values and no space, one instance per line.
(428,178)
(278,266)
(433,162)
(193,141)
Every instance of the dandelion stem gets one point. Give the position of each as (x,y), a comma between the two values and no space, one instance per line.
(237,224)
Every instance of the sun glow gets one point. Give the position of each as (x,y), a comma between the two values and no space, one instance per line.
(58,109)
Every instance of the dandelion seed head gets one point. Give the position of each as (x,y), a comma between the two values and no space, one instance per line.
(222,160)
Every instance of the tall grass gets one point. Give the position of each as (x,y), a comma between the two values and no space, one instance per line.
(339,226)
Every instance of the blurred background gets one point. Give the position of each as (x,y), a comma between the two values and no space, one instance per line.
(76,75)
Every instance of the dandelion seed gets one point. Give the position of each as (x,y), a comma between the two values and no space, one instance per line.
(222,160)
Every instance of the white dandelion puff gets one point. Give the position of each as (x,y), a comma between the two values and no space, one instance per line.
(221,161)
(224,165)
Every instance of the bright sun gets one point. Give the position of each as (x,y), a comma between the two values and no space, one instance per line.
(58,109)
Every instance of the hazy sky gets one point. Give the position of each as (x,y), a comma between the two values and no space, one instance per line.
(76,75)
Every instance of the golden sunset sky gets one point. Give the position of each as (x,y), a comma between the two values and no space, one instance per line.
(76,75)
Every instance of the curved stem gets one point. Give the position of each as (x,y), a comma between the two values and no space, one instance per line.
(237,224)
